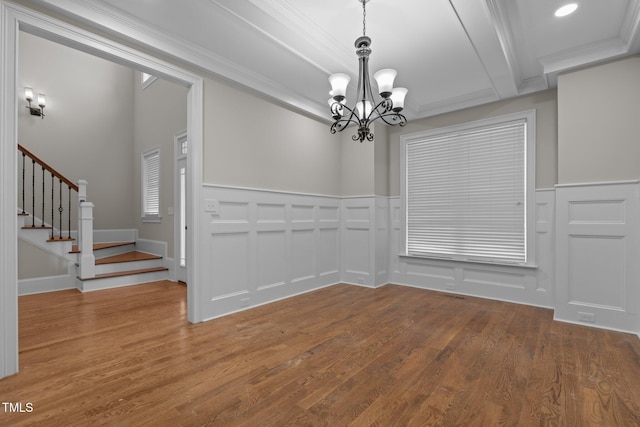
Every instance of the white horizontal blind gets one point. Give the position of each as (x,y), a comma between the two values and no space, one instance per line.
(151,183)
(466,194)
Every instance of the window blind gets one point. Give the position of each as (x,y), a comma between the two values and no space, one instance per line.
(466,194)
(151,183)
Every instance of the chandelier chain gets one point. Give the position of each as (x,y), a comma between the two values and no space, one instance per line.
(364,18)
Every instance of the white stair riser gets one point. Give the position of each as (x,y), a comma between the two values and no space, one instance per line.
(103,253)
(127,266)
(117,282)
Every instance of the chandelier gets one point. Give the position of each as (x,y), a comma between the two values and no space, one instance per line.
(367,109)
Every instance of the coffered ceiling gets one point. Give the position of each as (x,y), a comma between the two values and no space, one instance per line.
(450,54)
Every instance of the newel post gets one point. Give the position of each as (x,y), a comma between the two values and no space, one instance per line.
(85,233)
(82,191)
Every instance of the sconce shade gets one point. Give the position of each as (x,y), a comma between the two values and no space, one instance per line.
(42,102)
(385,78)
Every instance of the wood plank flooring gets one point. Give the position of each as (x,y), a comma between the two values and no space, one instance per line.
(343,355)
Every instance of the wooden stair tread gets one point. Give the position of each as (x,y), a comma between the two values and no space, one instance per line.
(61,239)
(127,257)
(98,246)
(126,273)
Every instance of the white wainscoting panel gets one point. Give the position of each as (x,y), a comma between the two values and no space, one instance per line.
(358,240)
(382,241)
(365,240)
(545,246)
(598,239)
(262,246)
(525,285)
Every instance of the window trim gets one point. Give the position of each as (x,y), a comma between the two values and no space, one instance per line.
(530,155)
(146,216)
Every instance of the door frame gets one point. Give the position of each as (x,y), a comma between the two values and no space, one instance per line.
(177,214)
(16,18)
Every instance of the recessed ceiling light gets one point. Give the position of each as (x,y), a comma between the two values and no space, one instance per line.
(567,9)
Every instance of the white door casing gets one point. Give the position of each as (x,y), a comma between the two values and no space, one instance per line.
(180,212)
(14,19)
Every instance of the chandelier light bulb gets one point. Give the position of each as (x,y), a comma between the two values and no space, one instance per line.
(363,113)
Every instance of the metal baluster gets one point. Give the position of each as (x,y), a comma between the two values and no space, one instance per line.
(43,225)
(60,209)
(52,217)
(23,159)
(69,215)
(33,193)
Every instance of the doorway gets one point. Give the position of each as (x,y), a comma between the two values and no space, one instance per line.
(180,192)
(17,18)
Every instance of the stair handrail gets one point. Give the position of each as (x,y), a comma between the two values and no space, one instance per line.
(85,213)
(46,166)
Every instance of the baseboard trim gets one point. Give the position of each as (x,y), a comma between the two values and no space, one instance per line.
(306,291)
(40,285)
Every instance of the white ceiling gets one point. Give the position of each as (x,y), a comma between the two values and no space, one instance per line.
(450,54)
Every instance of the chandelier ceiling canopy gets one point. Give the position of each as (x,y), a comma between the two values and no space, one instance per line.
(367,109)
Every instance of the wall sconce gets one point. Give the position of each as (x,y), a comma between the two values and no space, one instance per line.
(42,101)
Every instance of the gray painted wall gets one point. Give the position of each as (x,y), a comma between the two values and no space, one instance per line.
(253,143)
(88,129)
(599,123)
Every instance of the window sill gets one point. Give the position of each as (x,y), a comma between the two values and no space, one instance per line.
(152,219)
(453,260)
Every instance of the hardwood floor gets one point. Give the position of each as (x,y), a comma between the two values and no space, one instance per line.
(343,355)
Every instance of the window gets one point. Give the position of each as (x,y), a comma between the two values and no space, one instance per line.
(468,191)
(151,185)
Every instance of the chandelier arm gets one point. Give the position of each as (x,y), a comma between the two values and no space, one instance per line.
(382,108)
(341,124)
(397,119)
(352,115)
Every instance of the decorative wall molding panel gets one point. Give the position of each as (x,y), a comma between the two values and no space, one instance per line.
(522,285)
(262,246)
(365,240)
(598,240)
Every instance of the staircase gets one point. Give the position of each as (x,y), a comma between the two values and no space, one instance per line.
(117,263)
(120,264)
(101,265)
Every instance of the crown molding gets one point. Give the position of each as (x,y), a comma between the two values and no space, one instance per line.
(121,25)
(473,99)
(587,54)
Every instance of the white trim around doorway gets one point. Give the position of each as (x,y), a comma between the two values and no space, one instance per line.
(15,18)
